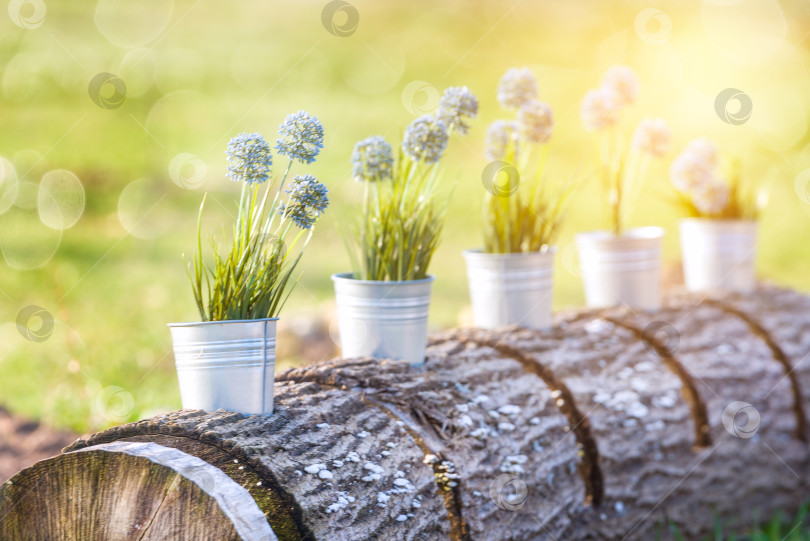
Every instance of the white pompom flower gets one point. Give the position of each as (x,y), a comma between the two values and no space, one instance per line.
(502,137)
(686,175)
(517,87)
(652,137)
(622,83)
(695,173)
(695,166)
(536,121)
(711,197)
(704,151)
(599,110)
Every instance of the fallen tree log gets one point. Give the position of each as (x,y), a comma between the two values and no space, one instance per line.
(609,426)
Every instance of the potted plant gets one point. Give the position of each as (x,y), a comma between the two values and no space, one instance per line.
(510,279)
(227,359)
(383,304)
(621,266)
(718,239)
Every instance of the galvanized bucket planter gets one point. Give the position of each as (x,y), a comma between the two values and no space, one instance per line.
(621,270)
(511,289)
(718,254)
(226,364)
(387,320)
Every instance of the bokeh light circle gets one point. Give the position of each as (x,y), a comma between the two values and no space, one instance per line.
(60,199)
(132,24)
(30,163)
(9,185)
(143,210)
(137,68)
(802,186)
(27,195)
(24,241)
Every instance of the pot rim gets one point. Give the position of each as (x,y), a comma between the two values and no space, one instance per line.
(347,277)
(635,233)
(546,250)
(200,323)
(719,221)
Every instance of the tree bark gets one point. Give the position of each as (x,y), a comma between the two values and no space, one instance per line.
(608,426)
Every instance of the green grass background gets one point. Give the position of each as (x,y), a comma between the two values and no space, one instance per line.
(200,72)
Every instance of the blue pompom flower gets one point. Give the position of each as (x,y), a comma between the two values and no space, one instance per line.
(308,200)
(249,158)
(372,159)
(300,137)
(425,139)
(457,105)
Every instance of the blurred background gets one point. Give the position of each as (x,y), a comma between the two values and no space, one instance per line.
(116,114)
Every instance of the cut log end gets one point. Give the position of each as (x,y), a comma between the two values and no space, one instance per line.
(129,491)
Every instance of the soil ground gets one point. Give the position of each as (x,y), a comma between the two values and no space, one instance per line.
(24,442)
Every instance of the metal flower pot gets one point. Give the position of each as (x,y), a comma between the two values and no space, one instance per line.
(226,364)
(511,289)
(387,320)
(718,254)
(623,269)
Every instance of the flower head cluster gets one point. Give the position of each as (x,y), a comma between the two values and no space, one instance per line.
(652,137)
(372,159)
(533,123)
(249,158)
(300,137)
(500,135)
(517,87)
(696,165)
(599,110)
(308,200)
(456,106)
(694,173)
(536,121)
(703,150)
(425,139)
(711,197)
(601,106)
(622,83)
